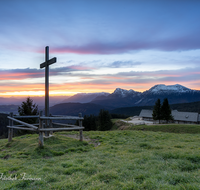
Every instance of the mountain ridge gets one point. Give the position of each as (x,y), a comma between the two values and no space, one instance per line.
(126,98)
(84,97)
(175,94)
(133,101)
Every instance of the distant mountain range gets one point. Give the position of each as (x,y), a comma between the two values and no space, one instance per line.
(123,99)
(90,103)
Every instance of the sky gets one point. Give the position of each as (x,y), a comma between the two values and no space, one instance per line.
(100,45)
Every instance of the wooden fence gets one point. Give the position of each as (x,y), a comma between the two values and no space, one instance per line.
(45,125)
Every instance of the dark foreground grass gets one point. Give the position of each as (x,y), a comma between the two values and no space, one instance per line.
(123,160)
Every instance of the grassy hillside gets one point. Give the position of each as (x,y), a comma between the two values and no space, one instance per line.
(127,159)
(169,128)
(187,107)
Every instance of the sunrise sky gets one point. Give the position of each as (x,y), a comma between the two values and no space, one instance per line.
(100,45)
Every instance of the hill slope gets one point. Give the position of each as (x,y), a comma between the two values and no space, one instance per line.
(75,108)
(132,111)
(123,160)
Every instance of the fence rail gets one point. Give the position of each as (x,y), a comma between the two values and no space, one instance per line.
(21,128)
(46,126)
(23,123)
(62,129)
(27,116)
(62,118)
(65,125)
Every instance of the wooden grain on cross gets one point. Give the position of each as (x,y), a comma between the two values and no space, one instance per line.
(49,62)
(46,65)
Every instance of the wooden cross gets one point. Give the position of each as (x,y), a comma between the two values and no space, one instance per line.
(46,65)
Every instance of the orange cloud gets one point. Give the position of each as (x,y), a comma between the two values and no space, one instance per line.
(19,76)
(23,89)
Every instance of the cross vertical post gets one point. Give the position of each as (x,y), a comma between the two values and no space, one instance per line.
(46,65)
(47,82)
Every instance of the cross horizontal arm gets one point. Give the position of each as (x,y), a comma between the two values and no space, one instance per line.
(49,62)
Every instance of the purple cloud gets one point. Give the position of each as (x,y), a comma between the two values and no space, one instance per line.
(168,44)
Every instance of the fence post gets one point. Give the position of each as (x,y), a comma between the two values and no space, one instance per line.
(10,130)
(41,139)
(11,115)
(47,124)
(51,125)
(80,125)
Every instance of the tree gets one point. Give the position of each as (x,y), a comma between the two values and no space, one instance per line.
(157,111)
(28,108)
(166,111)
(90,122)
(105,122)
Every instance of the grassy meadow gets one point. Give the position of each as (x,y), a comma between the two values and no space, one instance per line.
(170,128)
(117,159)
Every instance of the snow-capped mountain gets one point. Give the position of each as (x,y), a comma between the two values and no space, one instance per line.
(91,103)
(124,98)
(124,93)
(161,88)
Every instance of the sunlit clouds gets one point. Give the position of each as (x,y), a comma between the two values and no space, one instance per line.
(99,45)
(64,82)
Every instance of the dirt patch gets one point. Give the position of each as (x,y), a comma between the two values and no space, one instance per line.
(123,127)
(6,156)
(11,172)
(47,157)
(89,140)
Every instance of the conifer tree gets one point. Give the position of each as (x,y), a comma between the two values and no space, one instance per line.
(105,122)
(90,122)
(28,108)
(166,111)
(157,111)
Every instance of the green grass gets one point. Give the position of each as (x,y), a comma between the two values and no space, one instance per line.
(169,128)
(125,159)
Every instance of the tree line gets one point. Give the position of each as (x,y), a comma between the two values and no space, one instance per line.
(102,122)
(162,112)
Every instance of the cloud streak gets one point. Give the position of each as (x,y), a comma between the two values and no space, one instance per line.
(88,82)
(121,36)
(179,43)
(27,73)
